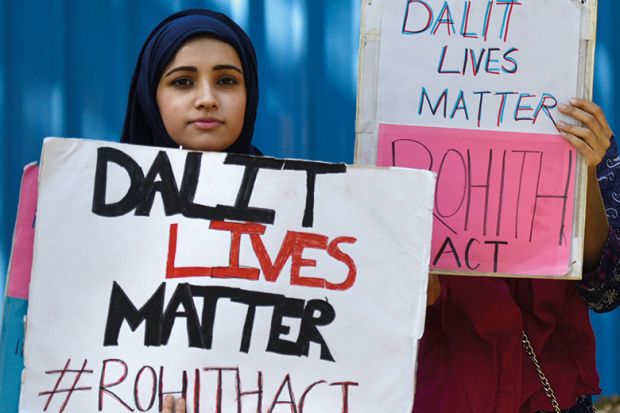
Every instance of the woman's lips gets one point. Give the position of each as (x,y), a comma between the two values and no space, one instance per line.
(206,123)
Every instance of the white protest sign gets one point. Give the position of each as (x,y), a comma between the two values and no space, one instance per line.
(470,90)
(482,61)
(244,284)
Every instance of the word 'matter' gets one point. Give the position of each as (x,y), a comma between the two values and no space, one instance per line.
(159,321)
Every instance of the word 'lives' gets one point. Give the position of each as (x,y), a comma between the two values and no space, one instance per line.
(293,246)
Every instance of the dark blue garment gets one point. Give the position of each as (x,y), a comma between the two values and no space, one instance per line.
(600,288)
(143,123)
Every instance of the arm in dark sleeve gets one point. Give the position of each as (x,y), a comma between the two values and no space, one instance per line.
(600,288)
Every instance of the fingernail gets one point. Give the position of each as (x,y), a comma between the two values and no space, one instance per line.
(562,106)
(561,124)
(573,101)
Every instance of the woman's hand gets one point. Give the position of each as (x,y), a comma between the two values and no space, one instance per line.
(591,139)
(172,406)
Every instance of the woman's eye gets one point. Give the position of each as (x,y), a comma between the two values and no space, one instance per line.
(227,81)
(182,82)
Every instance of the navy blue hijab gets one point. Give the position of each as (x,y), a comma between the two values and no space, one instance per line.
(143,123)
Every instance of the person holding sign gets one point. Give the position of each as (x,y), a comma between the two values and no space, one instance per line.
(482,335)
(195,86)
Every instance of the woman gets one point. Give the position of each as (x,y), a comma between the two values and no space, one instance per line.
(195,86)
(474,356)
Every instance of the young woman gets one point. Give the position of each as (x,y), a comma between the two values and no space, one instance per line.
(481,335)
(195,86)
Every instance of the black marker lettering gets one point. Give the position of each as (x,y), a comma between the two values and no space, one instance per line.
(136,177)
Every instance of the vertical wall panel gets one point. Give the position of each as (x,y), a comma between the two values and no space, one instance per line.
(97,68)
(33,59)
(282,125)
(7,215)
(606,90)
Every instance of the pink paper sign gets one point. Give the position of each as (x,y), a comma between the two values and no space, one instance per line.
(21,256)
(503,202)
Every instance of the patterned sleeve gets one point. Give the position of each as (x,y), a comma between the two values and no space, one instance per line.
(600,288)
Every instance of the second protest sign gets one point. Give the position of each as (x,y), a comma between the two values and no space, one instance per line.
(470,90)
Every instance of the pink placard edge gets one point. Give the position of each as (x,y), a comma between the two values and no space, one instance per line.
(560,277)
(17,283)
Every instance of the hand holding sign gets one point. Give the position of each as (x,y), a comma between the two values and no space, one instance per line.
(591,139)
(173,406)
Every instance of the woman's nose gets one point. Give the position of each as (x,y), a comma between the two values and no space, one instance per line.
(206,97)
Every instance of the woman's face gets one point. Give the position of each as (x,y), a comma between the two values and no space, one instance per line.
(202,96)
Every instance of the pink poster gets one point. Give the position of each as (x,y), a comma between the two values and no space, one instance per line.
(504,200)
(21,258)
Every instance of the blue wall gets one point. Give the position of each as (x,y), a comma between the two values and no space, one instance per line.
(65,67)
(606,87)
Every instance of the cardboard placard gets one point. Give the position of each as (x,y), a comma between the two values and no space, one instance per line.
(242,283)
(470,89)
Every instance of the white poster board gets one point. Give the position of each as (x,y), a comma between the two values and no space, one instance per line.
(252,284)
(470,90)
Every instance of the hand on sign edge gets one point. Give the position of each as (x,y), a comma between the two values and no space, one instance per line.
(593,137)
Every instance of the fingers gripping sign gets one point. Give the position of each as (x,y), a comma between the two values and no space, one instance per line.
(173,406)
(591,138)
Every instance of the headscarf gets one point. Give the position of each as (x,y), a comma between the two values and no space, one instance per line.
(143,123)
